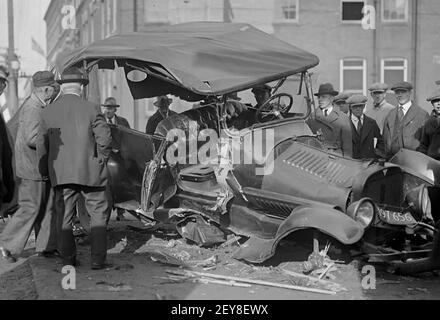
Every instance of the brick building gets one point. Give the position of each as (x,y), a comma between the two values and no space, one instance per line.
(402,46)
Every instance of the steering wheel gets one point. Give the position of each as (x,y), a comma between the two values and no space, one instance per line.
(274,107)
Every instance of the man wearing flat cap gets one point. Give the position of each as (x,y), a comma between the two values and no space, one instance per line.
(7,184)
(366,133)
(379,108)
(333,124)
(403,125)
(430,143)
(74,144)
(163,112)
(340,102)
(35,195)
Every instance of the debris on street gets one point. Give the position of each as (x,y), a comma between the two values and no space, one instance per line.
(119,247)
(119,287)
(239,280)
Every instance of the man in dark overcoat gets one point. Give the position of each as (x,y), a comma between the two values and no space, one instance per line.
(333,124)
(366,133)
(74,145)
(403,125)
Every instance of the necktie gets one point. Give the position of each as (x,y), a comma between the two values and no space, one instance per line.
(400,113)
(359,128)
(326,112)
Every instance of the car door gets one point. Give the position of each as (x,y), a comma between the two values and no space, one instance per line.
(132,153)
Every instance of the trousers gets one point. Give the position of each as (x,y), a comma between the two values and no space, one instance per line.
(37,210)
(97,206)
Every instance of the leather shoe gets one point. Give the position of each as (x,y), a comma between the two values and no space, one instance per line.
(6,255)
(100,266)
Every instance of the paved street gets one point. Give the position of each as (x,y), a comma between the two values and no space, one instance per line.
(137,276)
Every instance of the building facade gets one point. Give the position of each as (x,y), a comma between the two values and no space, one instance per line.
(357,42)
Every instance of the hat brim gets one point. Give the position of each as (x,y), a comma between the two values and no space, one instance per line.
(159,104)
(401,89)
(81,81)
(332,93)
(110,105)
(377,90)
(358,105)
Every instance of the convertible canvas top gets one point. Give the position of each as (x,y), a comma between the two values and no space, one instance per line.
(194,60)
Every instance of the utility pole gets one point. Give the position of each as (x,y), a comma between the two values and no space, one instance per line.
(12,62)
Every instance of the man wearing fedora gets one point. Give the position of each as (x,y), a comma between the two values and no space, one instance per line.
(366,134)
(110,107)
(163,112)
(74,145)
(379,108)
(403,125)
(333,124)
(430,143)
(35,195)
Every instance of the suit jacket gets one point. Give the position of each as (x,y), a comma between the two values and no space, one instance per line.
(7,183)
(430,142)
(74,143)
(154,120)
(410,132)
(336,131)
(121,121)
(29,121)
(363,143)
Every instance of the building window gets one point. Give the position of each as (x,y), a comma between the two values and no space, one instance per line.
(287,10)
(352,11)
(353,77)
(394,10)
(394,70)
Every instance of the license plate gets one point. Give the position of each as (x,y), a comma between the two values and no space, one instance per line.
(396,218)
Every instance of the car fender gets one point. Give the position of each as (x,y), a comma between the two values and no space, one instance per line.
(325,219)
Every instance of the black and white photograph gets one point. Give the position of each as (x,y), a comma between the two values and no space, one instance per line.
(220,155)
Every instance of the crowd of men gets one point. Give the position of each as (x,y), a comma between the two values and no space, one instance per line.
(354,129)
(63,143)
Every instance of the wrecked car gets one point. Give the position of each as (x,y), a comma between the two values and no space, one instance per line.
(385,208)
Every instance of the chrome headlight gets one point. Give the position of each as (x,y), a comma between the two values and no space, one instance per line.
(362,211)
(418,199)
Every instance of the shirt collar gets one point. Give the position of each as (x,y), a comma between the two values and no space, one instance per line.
(75,94)
(379,105)
(113,120)
(356,119)
(406,106)
(329,110)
